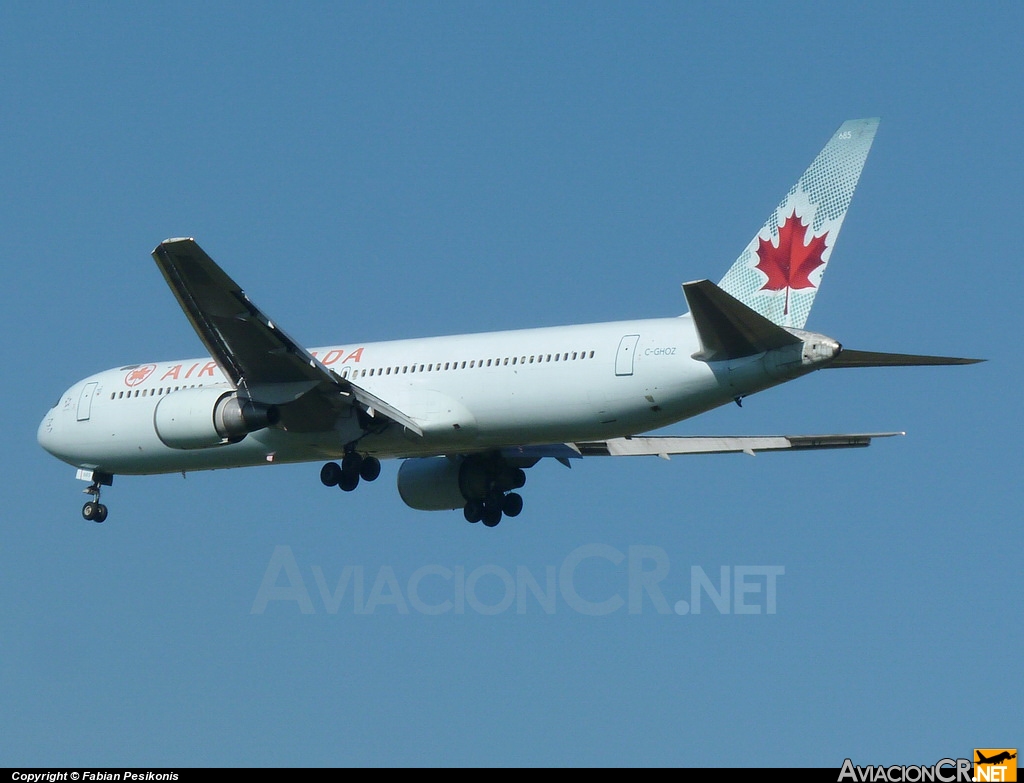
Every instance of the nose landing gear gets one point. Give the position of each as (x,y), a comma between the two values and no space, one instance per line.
(93,510)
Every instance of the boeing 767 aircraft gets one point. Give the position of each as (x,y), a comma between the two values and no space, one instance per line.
(468,413)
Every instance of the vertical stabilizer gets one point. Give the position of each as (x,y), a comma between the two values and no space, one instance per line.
(779,272)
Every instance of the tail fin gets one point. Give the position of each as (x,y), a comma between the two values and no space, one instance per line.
(779,272)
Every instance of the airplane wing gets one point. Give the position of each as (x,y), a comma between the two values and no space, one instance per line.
(254,353)
(666,447)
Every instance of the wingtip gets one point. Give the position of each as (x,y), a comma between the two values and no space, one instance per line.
(171,241)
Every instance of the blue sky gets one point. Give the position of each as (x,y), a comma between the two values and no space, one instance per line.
(376,171)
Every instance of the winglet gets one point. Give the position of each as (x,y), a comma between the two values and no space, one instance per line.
(727,328)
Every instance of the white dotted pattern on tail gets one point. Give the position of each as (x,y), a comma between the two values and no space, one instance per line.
(819,200)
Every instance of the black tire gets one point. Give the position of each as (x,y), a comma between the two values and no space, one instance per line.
(101,514)
(90,511)
(473,511)
(492,515)
(512,505)
(370,469)
(330,474)
(518,479)
(348,481)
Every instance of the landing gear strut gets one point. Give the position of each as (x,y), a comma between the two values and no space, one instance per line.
(354,466)
(93,510)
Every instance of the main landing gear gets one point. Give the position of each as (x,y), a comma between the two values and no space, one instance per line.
(354,466)
(488,482)
(490,509)
(93,510)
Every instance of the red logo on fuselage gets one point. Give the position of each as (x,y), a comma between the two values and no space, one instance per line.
(139,374)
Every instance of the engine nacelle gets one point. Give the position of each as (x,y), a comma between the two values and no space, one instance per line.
(204,417)
(431,483)
(440,483)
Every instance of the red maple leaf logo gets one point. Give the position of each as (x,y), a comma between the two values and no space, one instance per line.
(789,265)
(139,374)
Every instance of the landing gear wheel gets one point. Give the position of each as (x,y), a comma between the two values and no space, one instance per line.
(492,515)
(348,481)
(518,481)
(93,510)
(474,511)
(330,474)
(370,469)
(512,504)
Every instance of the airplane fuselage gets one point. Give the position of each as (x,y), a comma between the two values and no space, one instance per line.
(469,393)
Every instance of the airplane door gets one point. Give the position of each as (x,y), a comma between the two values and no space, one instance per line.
(624,358)
(85,401)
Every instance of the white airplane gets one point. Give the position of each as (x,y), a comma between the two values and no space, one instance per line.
(468,413)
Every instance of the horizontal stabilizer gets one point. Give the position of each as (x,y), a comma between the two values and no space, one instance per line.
(727,328)
(847,358)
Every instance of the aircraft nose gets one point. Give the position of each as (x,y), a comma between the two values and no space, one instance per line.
(44,435)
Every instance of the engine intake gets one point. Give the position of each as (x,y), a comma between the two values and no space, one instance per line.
(201,418)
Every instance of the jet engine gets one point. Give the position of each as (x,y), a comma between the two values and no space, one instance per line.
(203,417)
(443,483)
